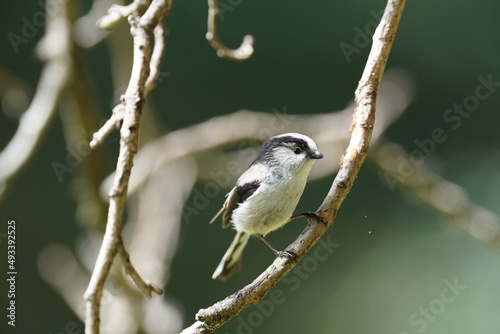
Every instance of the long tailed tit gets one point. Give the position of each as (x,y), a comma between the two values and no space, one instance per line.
(266,194)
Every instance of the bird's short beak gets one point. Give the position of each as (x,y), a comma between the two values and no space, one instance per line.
(316,155)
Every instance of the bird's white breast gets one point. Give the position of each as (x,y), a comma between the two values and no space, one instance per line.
(272,205)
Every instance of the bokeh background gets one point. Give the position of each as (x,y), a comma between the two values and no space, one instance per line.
(394,258)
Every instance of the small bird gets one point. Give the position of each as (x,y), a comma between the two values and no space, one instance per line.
(266,194)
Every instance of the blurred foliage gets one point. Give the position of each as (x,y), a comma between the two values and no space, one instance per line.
(394,256)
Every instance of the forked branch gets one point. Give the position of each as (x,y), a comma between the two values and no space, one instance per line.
(128,112)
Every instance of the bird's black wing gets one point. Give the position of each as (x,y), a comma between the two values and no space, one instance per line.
(237,195)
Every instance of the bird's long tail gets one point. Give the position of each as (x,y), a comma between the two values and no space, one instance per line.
(231,262)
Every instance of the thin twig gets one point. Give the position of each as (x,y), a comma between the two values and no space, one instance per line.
(160,33)
(101,134)
(55,48)
(132,101)
(363,120)
(144,286)
(87,33)
(244,51)
(116,13)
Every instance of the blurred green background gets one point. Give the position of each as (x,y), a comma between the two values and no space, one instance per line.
(394,257)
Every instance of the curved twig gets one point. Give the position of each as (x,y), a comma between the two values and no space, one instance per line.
(243,52)
(160,32)
(216,315)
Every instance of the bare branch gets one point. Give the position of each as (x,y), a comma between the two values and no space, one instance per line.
(364,112)
(60,269)
(160,33)
(55,48)
(144,286)
(101,134)
(116,13)
(245,50)
(395,94)
(156,10)
(86,32)
(363,120)
(156,226)
(132,102)
(443,196)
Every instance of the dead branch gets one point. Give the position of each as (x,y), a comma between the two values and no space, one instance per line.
(142,27)
(55,49)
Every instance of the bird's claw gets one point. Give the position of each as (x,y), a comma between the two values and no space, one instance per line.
(285,253)
(310,215)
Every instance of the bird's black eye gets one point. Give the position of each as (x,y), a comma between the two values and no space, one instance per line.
(297,150)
